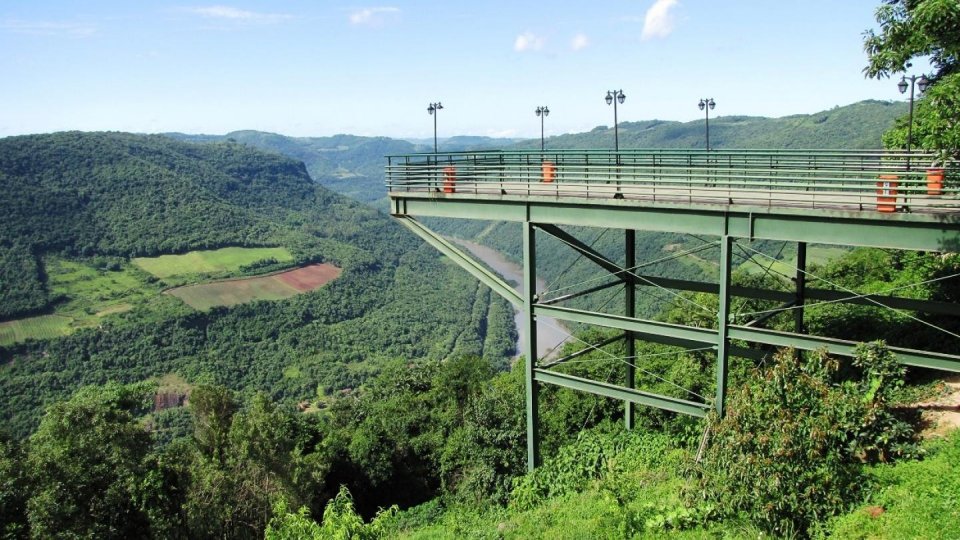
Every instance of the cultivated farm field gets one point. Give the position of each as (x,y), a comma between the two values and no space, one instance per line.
(42,327)
(214,261)
(273,287)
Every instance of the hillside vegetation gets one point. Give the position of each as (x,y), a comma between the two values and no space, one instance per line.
(82,204)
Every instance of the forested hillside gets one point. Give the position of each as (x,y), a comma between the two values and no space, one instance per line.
(855,126)
(86,196)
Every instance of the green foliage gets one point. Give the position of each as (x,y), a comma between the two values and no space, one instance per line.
(412,429)
(788,452)
(915,30)
(593,455)
(85,463)
(13,490)
(911,29)
(909,499)
(340,521)
(22,290)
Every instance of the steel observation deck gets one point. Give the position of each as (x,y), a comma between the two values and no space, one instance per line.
(753,193)
(885,199)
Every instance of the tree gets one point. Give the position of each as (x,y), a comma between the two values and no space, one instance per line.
(789,451)
(13,490)
(87,461)
(911,29)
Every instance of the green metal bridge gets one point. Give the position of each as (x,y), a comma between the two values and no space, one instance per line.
(849,198)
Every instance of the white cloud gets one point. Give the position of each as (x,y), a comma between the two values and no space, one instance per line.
(372,15)
(48,28)
(579,42)
(239,15)
(501,133)
(658,23)
(528,41)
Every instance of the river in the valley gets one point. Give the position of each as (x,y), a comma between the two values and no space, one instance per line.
(550,332)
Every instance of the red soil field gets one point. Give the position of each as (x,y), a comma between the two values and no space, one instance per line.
(310,277)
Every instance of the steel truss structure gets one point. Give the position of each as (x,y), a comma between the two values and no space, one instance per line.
(871,199)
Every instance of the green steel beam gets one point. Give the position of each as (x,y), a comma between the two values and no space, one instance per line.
(681,406)
(630,312)
(689,337)
(895,302)
(801,287)
(910,231)
(723,318)
(530,323)
(842,347)
(642,328)
(465,261)
(646,330)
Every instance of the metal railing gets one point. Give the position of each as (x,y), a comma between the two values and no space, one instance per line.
(885,181)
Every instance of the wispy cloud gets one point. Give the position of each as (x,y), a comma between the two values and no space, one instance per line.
(579,42)
(658,23)
(48,28)
(528,41)
(501,133)
(227,13)
(373,16)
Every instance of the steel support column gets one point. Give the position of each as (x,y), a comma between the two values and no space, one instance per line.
(801,282)
(723,319)
(630,310)
(530,322)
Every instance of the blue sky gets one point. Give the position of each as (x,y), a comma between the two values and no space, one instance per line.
(314,67)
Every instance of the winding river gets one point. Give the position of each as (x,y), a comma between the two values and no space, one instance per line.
(550,332)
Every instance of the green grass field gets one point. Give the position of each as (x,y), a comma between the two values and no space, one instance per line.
(89,294)
(93,293)
(209,262)
(42,327)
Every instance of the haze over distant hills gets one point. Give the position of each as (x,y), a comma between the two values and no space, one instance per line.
(353,165)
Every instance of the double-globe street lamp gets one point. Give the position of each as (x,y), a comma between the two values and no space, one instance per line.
(707,105)
(542,112)
(614,97)
(922,82)
(434,109)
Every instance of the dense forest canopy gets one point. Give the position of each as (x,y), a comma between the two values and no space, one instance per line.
(112,194)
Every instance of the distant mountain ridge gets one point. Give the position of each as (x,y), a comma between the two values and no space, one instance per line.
(856,126)
(354,165)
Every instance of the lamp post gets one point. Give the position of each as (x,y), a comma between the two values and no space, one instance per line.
(434,109)
(542,112)
(921,81)
(707,105)
(613,97)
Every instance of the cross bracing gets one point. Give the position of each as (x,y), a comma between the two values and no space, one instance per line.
(873,199)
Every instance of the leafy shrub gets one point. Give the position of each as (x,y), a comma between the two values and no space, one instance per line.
(593,455)
(789,451)
(340,521)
